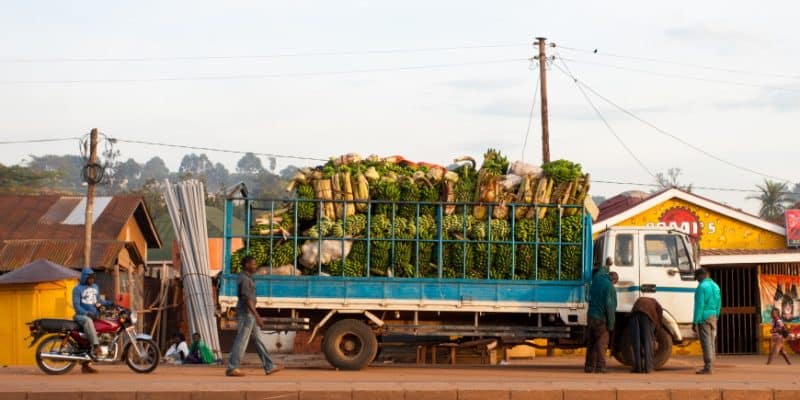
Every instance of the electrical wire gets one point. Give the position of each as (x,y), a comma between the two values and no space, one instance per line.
(682,76)
(672,136)
(530,119)
(31,141)
(603,118)
(681,64)
(218,150)
(709,188)
(258,56)
(264,76)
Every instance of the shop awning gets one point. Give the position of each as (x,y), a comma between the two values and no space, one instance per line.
(38,271)
(730,257)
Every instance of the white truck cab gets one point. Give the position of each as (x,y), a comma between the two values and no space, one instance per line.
(653,262)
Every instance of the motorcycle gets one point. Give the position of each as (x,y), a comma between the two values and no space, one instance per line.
(63,344)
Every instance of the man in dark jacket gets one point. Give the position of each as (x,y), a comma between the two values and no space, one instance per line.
(85,301)
(645,322)
(602,309)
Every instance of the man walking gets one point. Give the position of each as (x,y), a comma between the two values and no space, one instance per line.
(602,309)
(707,306)
(645,323)
(249,323)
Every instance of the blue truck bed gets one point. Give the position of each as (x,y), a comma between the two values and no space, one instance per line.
(313,290)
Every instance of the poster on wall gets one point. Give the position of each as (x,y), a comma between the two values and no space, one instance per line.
(781,292)
(793,228)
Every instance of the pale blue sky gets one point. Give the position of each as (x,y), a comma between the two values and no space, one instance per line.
(427,114)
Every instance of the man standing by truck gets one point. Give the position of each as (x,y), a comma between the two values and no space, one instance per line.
(602,309)
(707,307)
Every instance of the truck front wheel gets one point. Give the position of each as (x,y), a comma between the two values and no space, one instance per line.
(662,349)
(350,344)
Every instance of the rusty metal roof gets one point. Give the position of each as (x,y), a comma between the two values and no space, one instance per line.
(39,217)
(69,253)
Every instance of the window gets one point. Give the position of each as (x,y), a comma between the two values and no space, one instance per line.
(598,252)
(667,251)
(623,250)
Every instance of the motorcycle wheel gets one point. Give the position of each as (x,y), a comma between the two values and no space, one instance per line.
(149,360)
(55,344)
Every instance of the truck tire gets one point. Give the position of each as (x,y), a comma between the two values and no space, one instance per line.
(350,344)
(662,349)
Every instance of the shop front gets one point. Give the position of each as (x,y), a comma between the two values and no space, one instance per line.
(747,256)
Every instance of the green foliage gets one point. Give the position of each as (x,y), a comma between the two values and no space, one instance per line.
(494,162)
(562,171)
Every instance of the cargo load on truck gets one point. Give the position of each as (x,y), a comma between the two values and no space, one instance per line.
(391,217)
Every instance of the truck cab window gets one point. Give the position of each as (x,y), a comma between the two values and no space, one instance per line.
(684,257)
(661,251)
(623,250)
(598,252)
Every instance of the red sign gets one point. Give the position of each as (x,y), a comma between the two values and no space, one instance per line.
(793,228)
(684,220)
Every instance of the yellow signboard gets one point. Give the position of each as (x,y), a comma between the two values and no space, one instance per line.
(714,230)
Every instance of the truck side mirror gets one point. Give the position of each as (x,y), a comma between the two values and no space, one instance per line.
(609,262)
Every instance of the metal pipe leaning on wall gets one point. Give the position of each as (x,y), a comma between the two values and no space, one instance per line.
(186,204)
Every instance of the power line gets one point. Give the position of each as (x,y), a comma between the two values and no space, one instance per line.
(709,188)
(264,76)
(682,76)
(530,118)
(31,141)
(676,138)
(602,118)
(257,56)
(218,150)
(682,64)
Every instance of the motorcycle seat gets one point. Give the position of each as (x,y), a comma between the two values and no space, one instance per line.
(58,325)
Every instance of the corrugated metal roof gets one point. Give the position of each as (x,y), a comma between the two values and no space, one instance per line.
(745,252)
(69,253)
(37,217)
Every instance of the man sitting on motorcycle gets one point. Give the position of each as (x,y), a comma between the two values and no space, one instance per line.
(86,301)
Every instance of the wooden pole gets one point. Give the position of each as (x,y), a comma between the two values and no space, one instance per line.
(543,87)
(90,174)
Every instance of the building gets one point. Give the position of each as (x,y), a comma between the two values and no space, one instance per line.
(746,255)
(52,227)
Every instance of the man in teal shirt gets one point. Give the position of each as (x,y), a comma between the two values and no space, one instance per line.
(707,306)
(602,310)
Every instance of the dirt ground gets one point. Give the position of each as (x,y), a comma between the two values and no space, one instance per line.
(561,378)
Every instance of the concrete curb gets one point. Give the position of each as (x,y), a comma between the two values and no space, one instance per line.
(439,392)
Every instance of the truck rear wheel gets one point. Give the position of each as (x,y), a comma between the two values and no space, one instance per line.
(662,349)
(350,344)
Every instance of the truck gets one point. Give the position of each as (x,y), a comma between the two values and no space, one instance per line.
(441,297)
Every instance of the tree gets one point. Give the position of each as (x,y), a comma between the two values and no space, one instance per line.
(671,180)
(196,165)
(127,174)
(774,198)
(19,179)
(289,172)
(156,169)
(250,164)
(217,178)
(67,170)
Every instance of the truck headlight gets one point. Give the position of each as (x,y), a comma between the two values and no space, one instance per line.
(134,317)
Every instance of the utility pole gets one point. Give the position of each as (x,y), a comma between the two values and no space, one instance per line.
(543,86)
(90,176)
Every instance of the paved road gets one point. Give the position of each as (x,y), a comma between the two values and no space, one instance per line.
(557,378)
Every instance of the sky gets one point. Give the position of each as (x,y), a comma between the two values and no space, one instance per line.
(374,96)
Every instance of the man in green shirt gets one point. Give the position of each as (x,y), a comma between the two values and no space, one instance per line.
(707,306)
(601,313)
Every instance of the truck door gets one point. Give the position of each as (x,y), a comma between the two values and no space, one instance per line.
(623,249)
(666,273)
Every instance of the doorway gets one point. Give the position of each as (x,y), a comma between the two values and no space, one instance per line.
(738,326)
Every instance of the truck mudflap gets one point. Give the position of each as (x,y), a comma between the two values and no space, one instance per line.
(672,327)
